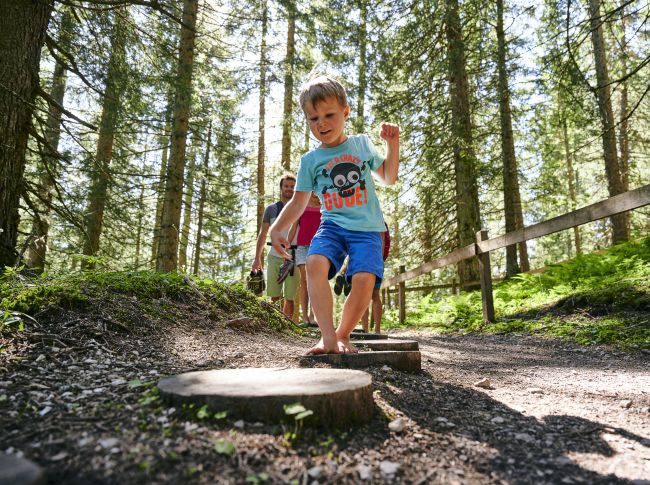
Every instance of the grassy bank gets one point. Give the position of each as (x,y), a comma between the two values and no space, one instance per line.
(594,299)
(134,301)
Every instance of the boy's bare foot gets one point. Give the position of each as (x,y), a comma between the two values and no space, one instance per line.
(321,348)
(346,347)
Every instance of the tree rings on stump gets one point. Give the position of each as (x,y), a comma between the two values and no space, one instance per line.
(337,397)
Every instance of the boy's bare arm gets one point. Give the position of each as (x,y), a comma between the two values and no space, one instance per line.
(293,230)
(387,172)
(290,214)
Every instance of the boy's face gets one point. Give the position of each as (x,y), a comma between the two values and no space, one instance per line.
(327,121)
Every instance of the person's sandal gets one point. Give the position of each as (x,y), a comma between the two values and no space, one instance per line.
(338,284)
(347,287)
(285,270)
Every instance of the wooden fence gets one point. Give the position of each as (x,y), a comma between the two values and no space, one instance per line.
(614,205)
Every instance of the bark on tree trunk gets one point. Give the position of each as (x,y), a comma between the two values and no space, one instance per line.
(167,258)
(287,116)
(571,179)
(187,212)
(363,45)
(624,160)
(100,170)
(159,188)
(202,196)
(138,237)
(23,25)
(511,196)
(262,114)
(620,223)
(37,253)
(467,204)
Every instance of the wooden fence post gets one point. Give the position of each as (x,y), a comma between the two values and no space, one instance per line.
(486,280)
(454,290)
(402,298)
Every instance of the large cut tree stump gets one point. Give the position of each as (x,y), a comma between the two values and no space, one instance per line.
(407,361)
(388,344)
(19,471)
(337,397)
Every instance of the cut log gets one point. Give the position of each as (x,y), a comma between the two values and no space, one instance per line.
(368,336)
(19,471)
(337,397)
(388,344)
(406,361)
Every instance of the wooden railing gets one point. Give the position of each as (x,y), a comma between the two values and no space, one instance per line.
(614,205)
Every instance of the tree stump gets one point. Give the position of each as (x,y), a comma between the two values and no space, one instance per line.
(406,361)
(337,397)
(388,344)
(368,336)
(19,471)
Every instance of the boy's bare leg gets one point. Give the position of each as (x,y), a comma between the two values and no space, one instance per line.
(377,309)
(353,308)
(287,309)
(320,295)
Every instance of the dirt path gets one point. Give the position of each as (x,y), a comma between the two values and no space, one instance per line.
(69,406)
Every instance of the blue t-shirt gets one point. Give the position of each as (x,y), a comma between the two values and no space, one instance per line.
(341,177)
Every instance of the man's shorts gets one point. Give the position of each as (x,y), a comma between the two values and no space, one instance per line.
(335,243)
(301,255)
(288,287)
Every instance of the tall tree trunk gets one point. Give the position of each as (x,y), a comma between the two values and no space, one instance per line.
(262,114)
(187,212)
(511,197)
(363,84)
(202,196)
(623,137)
(23,25)
(621,222)
(571,179)
(158,188)
(289,62)
(37,253)
(167,257)
(138,236)
(467,204)
(100,169)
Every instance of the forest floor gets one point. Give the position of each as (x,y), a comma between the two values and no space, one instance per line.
(80,400)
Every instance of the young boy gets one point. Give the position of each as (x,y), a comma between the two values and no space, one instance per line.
(339,172)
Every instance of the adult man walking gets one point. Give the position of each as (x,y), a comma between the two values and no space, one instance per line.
(274,289)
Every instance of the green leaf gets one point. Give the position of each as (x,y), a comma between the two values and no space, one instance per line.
(203,412)
(220,415)
(224,447)
(135,383)
(295,408)
(304,414)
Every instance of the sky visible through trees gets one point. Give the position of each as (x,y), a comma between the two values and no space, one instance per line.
(556,117)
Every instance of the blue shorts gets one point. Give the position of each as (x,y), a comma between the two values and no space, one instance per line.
(335,243)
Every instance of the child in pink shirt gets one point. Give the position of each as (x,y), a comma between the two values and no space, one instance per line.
(306,226)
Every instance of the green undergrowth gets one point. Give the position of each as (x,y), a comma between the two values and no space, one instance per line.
(132,299)
(594,299)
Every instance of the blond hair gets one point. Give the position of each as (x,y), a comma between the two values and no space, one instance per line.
(321,87)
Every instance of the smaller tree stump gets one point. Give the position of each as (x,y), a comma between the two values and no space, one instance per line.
(388,344)
(19,471)
(368,336)
(407,361)
(337,397)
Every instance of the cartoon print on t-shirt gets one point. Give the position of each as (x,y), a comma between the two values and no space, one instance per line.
(345,176)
